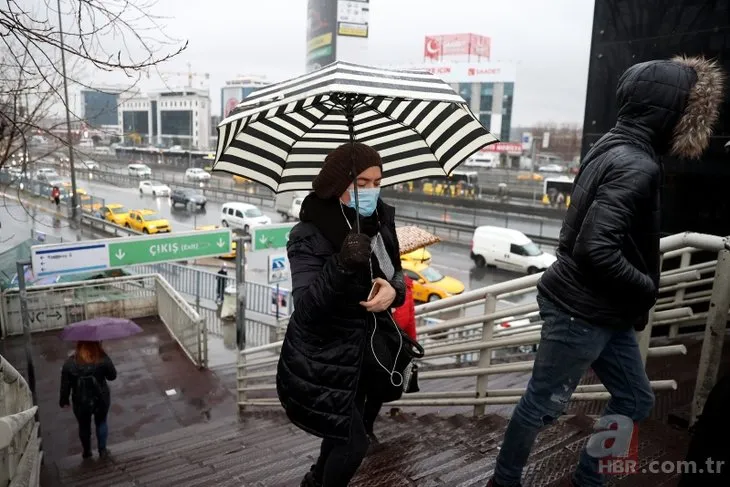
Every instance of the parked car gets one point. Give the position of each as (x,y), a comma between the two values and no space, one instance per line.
(147,221)
(155,188)
(197,174)
(288,205)
(243,216)
(232,255)
(429,284)
(115,213)
(90,165)
(508,249)
(139,170)
(419,255)
(186,197)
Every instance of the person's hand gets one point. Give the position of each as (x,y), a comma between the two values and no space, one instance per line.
(384,297)
(355,253)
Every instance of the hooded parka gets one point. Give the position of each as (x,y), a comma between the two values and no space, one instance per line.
(608,258)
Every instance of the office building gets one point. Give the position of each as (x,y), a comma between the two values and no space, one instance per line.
(168,118)
(236,90)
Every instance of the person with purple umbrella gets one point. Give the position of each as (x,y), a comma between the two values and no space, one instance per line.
(84,378)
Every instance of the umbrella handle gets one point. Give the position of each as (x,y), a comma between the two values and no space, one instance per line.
(349,114)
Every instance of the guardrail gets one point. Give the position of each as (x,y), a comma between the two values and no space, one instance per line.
(20,444)
(691,294)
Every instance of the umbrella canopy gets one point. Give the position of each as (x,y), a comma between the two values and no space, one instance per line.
(100,329)
(412,238)
(279,135)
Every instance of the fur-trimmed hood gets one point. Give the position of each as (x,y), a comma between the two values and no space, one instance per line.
(671,104)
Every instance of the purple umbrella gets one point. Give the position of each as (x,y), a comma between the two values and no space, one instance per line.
(99,329)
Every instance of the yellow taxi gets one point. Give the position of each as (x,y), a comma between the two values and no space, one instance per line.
(115,213)
(429,284)
(240,179)
(527,176)
(147,221)
(418,255)
(232,255)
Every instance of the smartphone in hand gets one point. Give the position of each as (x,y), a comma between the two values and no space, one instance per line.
(373,291)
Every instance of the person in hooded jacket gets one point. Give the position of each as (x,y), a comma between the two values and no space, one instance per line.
(606,277)
(330,362)
(84,378)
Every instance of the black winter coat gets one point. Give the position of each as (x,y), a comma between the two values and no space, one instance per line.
(103,371)
(322,356)
(608,259)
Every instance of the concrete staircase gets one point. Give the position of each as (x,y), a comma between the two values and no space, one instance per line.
(264,449)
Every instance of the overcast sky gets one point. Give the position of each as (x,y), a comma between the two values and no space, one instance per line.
(549,40)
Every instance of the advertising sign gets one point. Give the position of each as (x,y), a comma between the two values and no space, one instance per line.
(436,47)
(230,98)
(483,72)
(278,268)
(321,32)
(508,147)
(353,17)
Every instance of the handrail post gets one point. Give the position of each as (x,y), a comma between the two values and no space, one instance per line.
(684,262)
(714,339)
(485,355)
(644,336)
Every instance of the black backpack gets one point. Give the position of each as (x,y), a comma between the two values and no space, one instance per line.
(89,393)
(711,439)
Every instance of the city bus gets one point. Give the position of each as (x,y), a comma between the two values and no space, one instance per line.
(460,183)
(556,191)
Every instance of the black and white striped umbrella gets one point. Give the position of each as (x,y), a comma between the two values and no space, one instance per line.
(279,135)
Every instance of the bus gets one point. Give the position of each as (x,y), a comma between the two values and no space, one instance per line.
(460,183)
(556,191)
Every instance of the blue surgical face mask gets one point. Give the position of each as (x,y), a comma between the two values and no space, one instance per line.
(367,199)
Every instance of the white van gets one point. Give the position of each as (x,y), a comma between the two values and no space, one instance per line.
(508,249)
(139,170)
(243,216)
(288,205)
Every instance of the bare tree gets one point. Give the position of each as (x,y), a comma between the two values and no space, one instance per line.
(98,36)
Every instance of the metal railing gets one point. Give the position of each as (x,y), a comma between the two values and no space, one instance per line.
(20,444)
(470,332)
(183,323)
(52,307)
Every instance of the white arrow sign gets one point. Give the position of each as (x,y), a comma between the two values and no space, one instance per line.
(221,243)
(120,255)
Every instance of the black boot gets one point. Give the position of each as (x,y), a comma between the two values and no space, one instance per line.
(310,480)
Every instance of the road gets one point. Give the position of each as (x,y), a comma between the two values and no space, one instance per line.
(448,258)
(529,225)
(20,223)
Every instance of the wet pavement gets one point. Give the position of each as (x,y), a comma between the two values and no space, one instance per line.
(148,365)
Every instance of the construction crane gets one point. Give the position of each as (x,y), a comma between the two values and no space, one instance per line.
(190,74)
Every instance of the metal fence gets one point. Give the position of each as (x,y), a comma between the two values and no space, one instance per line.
(54,306)
(201,287)
(183,323)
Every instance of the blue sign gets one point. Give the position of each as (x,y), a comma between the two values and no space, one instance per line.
(278,268)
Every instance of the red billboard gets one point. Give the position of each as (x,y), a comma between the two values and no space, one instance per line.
(436,47)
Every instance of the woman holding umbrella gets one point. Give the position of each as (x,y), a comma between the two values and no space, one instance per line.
(85,374)
(84,377)
(344,284)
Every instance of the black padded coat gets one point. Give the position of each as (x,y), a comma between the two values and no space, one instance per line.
(608,259)
(321,359)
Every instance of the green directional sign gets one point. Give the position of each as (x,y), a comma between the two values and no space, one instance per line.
(270,237)
(168,247)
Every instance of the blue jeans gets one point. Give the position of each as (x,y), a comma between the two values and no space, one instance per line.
(568,347)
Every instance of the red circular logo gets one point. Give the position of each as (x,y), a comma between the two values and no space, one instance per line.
(230,105)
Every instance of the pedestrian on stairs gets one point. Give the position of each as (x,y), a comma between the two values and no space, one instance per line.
(606,277)
(84,378)
(344,284)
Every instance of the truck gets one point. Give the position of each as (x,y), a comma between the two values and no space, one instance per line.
(289,204)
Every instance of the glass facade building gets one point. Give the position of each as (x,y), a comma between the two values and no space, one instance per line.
(100,108)
(484,103)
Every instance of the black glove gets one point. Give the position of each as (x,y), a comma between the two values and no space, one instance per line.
(355,253)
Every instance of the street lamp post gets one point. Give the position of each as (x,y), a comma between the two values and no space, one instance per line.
(74,197)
